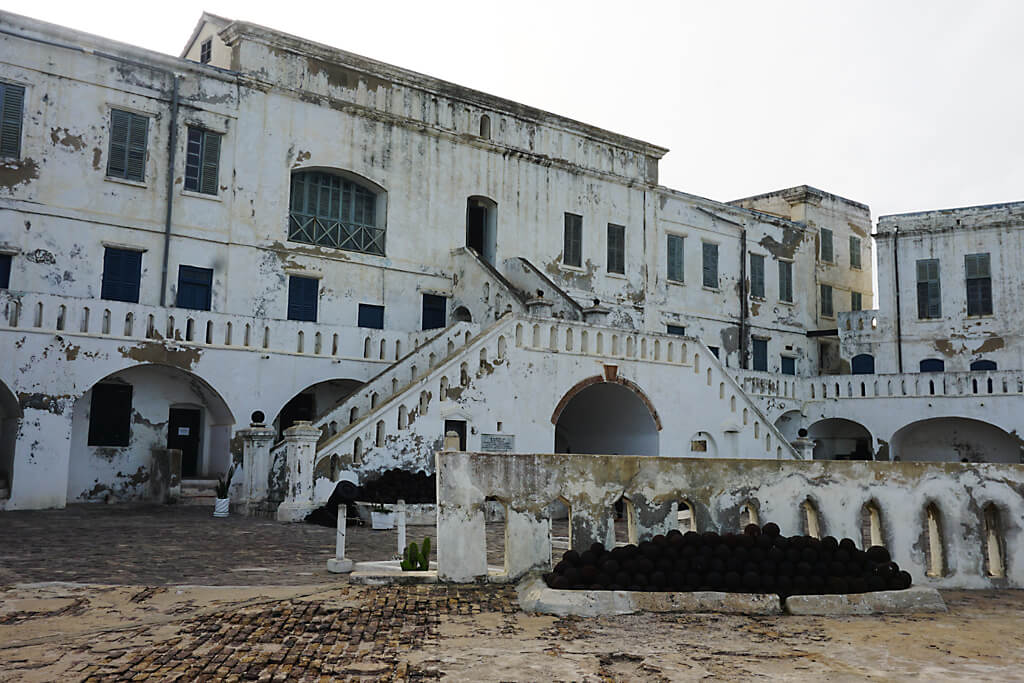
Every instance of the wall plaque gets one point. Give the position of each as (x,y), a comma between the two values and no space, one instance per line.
(497,443)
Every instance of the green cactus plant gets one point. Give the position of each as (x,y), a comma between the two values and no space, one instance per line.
(415,558)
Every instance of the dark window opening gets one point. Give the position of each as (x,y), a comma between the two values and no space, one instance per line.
(202,161)
(760,349)
(675,258)
(371,316)
(572,246)
(979,284)
(434,311)
(195,288)
(854,252)
(862,364)
(485,127)
(983,366)
(757,276)
(933,365)
(788,365)
(459,427)
(122,273)
(827,252)
(184,427)
(675,329)
(713,350)
(709,257)
(616,249)
(301,407)
(786,281)
(110,415)
(5,271)
(856,301)
(929,302)
(302,298)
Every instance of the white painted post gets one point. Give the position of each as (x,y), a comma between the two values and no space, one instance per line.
(804,447)
(339,564)
(451,441)
(401,528)
(256,442)
(300,445)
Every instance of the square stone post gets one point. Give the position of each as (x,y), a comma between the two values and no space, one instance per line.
(339,564)
(256,443)
(165,475)
(300,448)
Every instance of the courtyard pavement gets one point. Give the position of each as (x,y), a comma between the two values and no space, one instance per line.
(124,592)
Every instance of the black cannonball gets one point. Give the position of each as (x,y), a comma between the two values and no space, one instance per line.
(716,565)
(838,585)
(664,565)
(722,551)
(602,578)
(768,583)
(659,580)
(798,542)
(843,555)
(740,554)
(700,564)
(597,548)
(622,578)
(878,554)
(649,550)
(757,554)
(887,570)
(561,567)
(820,567)
(768,567)
(876,583)
(794,554)
(751,582)
(770,529)
(682,564)
(783,585)
(857,584)
(847,544)
(615,587)
(572,557)
(610,566)
(764,542)
(572,575)
(714,580)
(781,542)
(674,533)
(734,564)
(659,539)
(677,580)
(694,579)
(837,568)
(644,565)
(816,584)
(905,579)
(560,583)
(588,558)
(776,553)
(692,538)
(752,530)
(587,574)
(670,551)
(803,569)
(809,555)
(830,544)
(641,580)
(731,581)
(711,538)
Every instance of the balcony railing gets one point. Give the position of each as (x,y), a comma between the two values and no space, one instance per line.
(322,232)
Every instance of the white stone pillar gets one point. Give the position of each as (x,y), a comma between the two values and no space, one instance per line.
(400,509)
(451,441)
(256,443)
(339,564)
(804,447)
(300,448)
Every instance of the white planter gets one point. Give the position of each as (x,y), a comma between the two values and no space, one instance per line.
(221,507)
(382,520)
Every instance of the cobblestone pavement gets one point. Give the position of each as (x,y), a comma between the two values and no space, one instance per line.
(260,607)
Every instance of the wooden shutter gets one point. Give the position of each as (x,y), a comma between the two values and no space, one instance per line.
(135,164)
(710,264)
(675,258)
(119,126)
(122,271)
(193,159)
(211,161)
(757,275)
(10,119)
(302,298)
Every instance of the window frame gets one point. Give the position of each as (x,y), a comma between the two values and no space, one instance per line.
(130,144)
(675,330)
(705,249)
(197,174)
(757,284)
(786,294)
(11,126)
(680,261)
(831,245)
(364,320)
(616,247)
(120,288)
(102,404)
(931,290)
(982,285)
(572,240)
(354,226)
(206,51)
(822,290)
(855,250)
(755,344)
(783,360)
(6,266)
(434,299)
(298,287)
(856,301)
(194,275)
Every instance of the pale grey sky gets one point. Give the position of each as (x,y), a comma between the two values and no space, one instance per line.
(904,105)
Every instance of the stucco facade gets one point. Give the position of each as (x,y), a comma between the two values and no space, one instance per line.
(266,230)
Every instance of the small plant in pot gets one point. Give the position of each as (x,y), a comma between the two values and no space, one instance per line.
(381,517)
(223,503)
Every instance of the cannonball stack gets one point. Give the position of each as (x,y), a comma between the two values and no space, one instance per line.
(394,485)
(760,560)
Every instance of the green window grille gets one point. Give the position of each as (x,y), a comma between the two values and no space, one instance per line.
(202,161)
(331,211)
(127,154)
(12,101)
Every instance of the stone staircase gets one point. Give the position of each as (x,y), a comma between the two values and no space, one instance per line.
(198,492)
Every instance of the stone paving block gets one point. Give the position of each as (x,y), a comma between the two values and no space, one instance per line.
(915,599)
(535,596)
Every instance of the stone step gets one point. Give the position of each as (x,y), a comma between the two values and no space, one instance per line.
(198,492)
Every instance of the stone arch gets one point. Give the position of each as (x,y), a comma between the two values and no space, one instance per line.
(602,416)
(954,439)
(10,421)
(994,550)
(313,400)
(811,518)
(598,379)
(150,405)
(871,529)
(840,439)
(934,543)
(462,315)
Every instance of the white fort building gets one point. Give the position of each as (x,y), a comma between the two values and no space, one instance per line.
(197,253)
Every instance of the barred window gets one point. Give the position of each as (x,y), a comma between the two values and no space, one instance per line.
(331,211)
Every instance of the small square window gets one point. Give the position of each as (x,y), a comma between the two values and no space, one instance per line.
(371,316)
(195,288)
(110,415)
(675,329)
(788,365)
(303,293)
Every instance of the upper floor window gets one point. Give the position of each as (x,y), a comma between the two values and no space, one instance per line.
(122,274)
(12,101)
(757,276)
(332,211)
(572,240)
(202,161)
(709,257)
(616,249)
(195,288)
(929,300)
(788,365)
(760,353)
(434,311)
(854,252)
(932,365)
(675,329)
(303,293)
(371,316)
(485,127)
(5,270)
(827,252)
(862,364)
(856,301)
(786,281)
(675,258)
(206,51)
(827,310)
(127,157)
(983,365)
(979,284)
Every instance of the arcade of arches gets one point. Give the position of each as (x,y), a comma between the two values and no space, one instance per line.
(606,418)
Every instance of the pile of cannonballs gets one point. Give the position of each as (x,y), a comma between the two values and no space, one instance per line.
(760,560)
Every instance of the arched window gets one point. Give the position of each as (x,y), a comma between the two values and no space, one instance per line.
(862,364)
(330,210)
(983,365)
(933,365)
(485,127)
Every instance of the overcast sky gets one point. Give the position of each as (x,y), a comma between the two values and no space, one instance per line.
(902,105)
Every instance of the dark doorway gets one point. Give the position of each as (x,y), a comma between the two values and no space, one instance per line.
(862,364)
(183,433)
(481,219)
(300,407)
(459,427)
(434,311)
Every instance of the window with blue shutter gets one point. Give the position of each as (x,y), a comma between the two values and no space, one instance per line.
(929,295)
(709,253)
(122,273)
(757,276)
(127,154)
(760,348)
(827,252)
(675,258)
(371,316)
(616,249)
(5,271)
(572,243)
(788,366)
(110,415)
(786,281)
(12,102)
(979,284)
(202,161)
(195,287)
(302,298)
(433,311)
(827,310)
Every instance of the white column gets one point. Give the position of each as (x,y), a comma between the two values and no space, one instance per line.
(339,564)
(300,447)
(256,442)
(401,528)
(804,447)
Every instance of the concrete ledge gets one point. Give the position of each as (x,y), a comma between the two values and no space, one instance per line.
(389,572)
(342,566)
(914,599)
(535,596)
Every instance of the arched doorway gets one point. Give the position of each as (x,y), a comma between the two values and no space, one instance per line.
(954,439)
(10,418)
(839,439)
(462,315)
(862,364)
(122,418)
(789,424)
(482,227)
(606,418)
(314,401)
